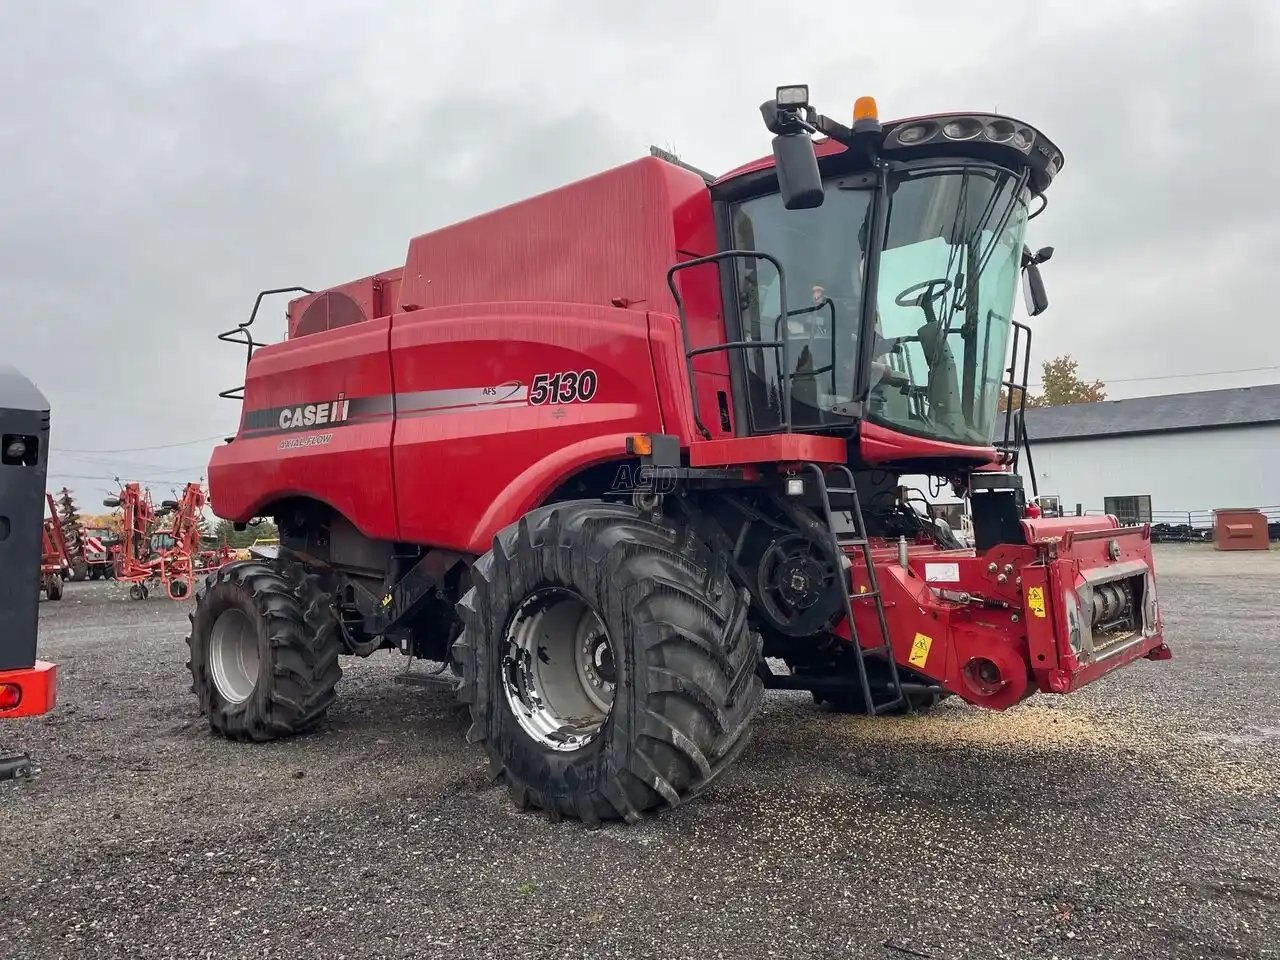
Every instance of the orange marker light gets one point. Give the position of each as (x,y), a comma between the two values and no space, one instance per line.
(864,108)
(10,696)
(640,444)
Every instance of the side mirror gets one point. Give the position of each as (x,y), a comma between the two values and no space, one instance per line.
(1033,290)
(798,179)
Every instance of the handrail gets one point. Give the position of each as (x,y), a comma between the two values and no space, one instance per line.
(778,344)
(1015,435)
(240,334)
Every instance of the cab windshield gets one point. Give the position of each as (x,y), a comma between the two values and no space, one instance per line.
(947,276)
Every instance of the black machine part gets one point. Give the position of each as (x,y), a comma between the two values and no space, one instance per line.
(24,446)
(998,504)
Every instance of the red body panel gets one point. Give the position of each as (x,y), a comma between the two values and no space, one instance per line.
(877,444)
(467,463)
(769,448)
(39,686)
(351,472)
(569,281)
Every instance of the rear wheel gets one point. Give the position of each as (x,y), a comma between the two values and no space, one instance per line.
(264,651)
(608,670)
(53,588)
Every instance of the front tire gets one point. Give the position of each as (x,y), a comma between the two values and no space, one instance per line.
(666,667)
(264,651)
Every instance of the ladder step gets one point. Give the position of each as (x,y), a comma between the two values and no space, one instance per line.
(888,705)
(861,542)
(435,681)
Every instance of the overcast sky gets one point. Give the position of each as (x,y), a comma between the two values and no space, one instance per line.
(162,162)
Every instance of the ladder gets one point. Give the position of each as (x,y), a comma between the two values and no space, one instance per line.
(898,697)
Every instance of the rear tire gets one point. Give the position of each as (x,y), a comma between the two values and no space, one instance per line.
(53,589)
(264,651)
(682,665)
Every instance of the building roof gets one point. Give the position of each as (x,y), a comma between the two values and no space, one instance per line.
(1238,406)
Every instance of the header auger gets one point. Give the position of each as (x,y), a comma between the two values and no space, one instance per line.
(609,451)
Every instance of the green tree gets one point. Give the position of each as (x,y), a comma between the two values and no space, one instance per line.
(1062,385)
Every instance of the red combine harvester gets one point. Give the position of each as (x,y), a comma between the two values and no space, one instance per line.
(609,451)
(140,562)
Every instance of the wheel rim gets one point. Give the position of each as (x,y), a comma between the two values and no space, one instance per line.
(233,656)
(558,669)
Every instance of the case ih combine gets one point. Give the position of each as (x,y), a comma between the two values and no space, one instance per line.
(607,449)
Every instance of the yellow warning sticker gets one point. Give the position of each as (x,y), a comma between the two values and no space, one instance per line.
(920,650)
(1035,600)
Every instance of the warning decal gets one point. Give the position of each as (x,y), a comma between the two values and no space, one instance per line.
(920,650)
(1035,600)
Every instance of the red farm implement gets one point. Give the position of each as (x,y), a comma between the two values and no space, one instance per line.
(55,563)
(149,554)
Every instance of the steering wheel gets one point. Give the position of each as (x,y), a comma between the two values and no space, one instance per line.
(926,294)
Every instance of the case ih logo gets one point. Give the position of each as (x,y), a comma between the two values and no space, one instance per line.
(311,415)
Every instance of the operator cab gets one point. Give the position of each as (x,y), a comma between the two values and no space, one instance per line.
(894,254)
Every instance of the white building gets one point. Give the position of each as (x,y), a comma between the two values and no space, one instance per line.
(1170,459)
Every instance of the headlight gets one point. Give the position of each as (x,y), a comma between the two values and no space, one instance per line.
(962,128)
(916,133)
(1000,131)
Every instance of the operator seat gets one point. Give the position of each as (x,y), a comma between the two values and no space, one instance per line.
(944,383)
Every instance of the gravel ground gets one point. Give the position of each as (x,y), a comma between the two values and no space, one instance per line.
(1139,818)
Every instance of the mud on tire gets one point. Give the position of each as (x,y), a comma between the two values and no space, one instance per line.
(282,680)
(683,661)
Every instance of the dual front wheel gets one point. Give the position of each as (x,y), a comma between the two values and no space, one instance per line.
(606,663)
